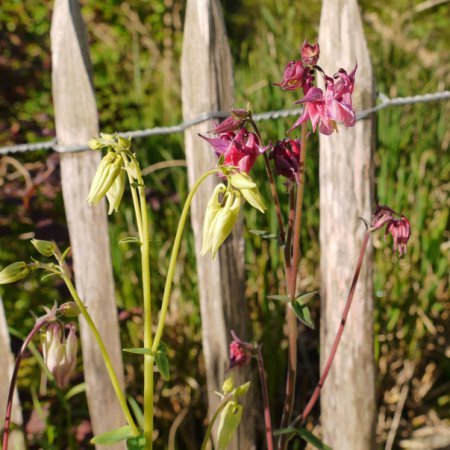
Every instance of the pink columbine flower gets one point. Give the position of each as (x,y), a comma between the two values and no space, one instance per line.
(239,150)
(310,53)
(325,110)
(286,156)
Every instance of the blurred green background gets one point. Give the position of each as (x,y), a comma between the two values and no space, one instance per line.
(135,50)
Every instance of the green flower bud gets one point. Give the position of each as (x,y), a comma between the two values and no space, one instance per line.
(108,170)
(228,424)
(225,219)
(228,385)
(45,248)
(115,193)
(248,189)
(212,209)
(69,309)
(14,272)
(123,143)
(242,389)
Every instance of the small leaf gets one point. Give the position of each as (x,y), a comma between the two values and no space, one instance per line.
(130,240)
(221,160)
(137,411)
(280,298)
(303,314)
(305,297)
(162,362)
(111,437)
(138,351)
(312,439)
(77,389)
(136,443)
(264,234)
(258,232)
(64,255)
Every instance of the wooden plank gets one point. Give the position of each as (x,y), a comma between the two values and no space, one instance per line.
(76,122)
(16,440)
(207,85)
(348,398)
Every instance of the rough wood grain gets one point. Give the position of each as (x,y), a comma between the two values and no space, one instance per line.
(16,440)
(207,85)
(348,398)
(77,122)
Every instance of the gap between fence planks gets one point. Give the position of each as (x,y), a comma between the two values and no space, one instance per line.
(348,398)
(207,85)
(77,122)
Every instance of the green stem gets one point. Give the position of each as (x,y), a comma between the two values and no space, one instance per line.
(148,338)
(109,367)
(173,259)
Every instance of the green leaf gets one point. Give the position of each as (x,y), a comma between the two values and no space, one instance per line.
(312,439)
(136,443)
(303,314)
(264,234)
(162,362)
(139,351)
(64,255)
(258,232)
(111,437)
(77,389)
(305,297)
(137,411)
(130,240)
(280,298)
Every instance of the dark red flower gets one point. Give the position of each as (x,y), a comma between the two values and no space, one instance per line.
(286,155)
(400,230)
(294,76)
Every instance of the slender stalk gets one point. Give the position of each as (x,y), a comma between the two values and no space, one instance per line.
(107,360)
(337,339)
(148,338)
(265,395)
(173,259)
(292,286)
(38,325)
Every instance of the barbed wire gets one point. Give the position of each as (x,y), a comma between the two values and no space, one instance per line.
(385,102)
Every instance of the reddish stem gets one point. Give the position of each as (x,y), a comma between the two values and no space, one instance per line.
(265,395)
(39,324)
(292,287)
(337,339)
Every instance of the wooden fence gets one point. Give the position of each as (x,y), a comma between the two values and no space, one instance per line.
(207,84)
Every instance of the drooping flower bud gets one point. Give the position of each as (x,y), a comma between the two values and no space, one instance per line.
(294,76)
(240,351)
(108,170)
(60,354)
(230,419)
(248,189)
(400,230)
(69,309)
(115,193)
(234,122)
(286,156)
(45,248)
(220,217)
(14,272)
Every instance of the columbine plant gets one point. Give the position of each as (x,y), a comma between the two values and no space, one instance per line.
(238,144)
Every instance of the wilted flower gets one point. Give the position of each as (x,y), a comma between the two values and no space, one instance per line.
(397,226)
(400,229)
(286,156)
(310,53)
(294,76)
(232,123)
(60,353)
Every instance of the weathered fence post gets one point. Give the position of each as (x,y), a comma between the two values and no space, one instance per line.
(207,85)
(16,440)
(348,398)
(77,122)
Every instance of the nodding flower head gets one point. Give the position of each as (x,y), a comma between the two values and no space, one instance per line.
(397,226)
(286,156)
(240,352)
(294,76)
(233,122)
